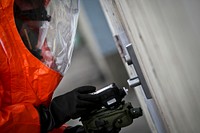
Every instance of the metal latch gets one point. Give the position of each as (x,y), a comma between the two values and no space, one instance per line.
(134,82)
(139,80)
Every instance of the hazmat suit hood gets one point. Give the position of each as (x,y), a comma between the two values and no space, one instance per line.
(48,28)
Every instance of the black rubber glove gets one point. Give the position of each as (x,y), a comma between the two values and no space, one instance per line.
(71,105)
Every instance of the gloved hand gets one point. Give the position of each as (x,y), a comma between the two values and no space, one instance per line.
(71,105)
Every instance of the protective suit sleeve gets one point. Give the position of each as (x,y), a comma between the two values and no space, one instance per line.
(18,118)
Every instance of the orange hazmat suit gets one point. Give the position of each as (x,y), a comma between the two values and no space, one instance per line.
(25,82)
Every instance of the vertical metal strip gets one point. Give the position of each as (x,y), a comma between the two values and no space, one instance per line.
(138,70)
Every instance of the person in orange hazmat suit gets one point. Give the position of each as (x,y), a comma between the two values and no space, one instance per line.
(36,44)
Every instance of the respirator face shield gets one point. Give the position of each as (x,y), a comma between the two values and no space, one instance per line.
(48,29)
